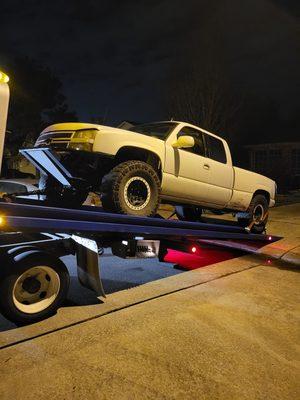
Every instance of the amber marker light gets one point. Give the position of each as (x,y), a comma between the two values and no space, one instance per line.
(3,77)
(2,221)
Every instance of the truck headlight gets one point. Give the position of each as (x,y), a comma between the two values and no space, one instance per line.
(83,140)
(85,134)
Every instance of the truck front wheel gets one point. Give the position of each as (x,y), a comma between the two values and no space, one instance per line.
(132,187)
(257,214)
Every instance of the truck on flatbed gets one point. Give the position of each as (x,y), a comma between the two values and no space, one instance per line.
(174,162)
(139,166)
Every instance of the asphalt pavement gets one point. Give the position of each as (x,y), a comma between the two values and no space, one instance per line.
(117,274)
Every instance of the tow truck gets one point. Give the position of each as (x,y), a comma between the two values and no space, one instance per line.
(33,237)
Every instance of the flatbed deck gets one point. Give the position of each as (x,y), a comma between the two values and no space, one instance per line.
(93,221)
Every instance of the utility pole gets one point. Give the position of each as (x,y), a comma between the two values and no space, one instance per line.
(4,101)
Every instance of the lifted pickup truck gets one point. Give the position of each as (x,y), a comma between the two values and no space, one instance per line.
(136,169)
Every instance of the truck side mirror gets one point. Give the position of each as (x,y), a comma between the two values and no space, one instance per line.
(184,142)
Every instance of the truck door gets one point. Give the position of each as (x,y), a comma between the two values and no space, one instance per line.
(221,171)
(187,175)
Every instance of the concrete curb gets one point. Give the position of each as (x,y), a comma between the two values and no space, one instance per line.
(286,249)
(292,256)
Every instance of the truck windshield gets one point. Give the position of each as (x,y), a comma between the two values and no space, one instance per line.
(160,130)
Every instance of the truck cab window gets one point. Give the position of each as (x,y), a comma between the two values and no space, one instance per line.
(199,147)
(215,148)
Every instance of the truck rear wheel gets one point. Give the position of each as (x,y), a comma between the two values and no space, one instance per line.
(257,214)
(188,213)
(132,187)
(32,287)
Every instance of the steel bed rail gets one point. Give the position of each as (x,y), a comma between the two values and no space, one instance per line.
(27,218)
(96,214)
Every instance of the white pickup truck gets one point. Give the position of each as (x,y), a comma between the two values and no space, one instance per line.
(174,162)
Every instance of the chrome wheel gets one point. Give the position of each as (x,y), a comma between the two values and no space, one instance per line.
(36,289)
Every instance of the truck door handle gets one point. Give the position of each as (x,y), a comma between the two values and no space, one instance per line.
(206,166)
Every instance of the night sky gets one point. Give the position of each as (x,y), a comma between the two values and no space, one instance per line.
(115,57)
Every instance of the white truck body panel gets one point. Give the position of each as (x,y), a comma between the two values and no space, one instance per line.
(186,177)
(246,183)
(110,142)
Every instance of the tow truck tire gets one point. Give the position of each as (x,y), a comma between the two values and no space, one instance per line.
(188,213)
(257,210)
(132,187)
(32,287)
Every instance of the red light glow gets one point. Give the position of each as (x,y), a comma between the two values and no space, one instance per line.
(201,258)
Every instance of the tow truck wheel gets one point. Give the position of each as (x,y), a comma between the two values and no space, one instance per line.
(257,214)
(32,287)
(132,187)
(188,213)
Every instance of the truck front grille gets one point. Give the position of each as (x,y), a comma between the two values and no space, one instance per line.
(56,140)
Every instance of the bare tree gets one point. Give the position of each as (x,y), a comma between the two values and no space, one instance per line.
(201,96)
(200,87)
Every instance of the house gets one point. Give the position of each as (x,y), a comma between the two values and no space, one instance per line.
(279,161)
